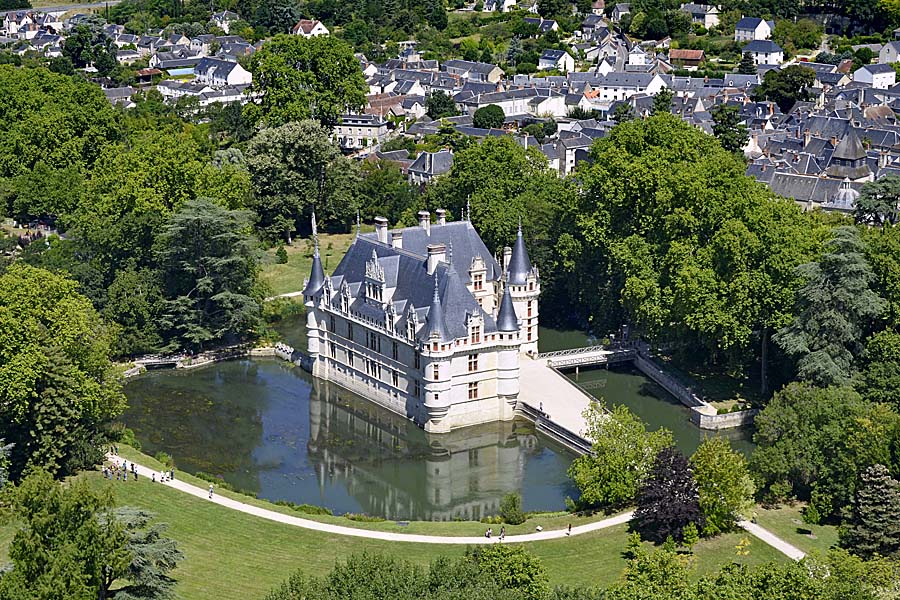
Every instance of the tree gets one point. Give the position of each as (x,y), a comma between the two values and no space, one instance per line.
(879,375)
(549,9)
(834,310)
(623,112)
(651,574)
(297,168)
(621,457)
(59,384)
(153,557)
(819,441)
(747,66)
(511,509)
(512,568)
(668,501)
(73,544)
(879,202)
(874,528)
(62,65)
(439,105)
(662,101)
(4,462)
(301,78)
(728,127)
(208,265)
(786,86)
(707,271)
(6,5)
(489,117)
(724,484)
(136,303)
(385,191)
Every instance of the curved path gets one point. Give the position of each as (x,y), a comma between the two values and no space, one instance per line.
(387,536)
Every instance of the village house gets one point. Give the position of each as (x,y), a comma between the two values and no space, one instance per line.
(309,28)
(473,71)
(354,132)
(879,76)
(753,28)
(556,59)
(764,52)
(220,73)
(704,14)
(224,19)
(429,165)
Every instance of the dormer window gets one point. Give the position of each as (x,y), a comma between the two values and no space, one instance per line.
(476,334)
(478,282)
(411,329)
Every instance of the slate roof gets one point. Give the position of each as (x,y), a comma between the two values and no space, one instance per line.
(506,318)
(433,163)
(763,46)
(406,272)
(748,23)
(519,263)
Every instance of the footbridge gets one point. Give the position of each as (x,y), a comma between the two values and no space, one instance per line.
(588,356)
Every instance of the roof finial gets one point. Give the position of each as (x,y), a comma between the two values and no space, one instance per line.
(315,233)
(450,253)
(358,227)
(520,224)
(437,295)
(468,210)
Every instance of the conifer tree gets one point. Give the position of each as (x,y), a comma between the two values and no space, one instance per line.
(834,310)
(668,501)
(747,66)
(875,519)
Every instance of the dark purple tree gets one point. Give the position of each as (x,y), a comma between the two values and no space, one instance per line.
(668,501)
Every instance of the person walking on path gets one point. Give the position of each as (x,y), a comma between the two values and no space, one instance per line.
(502,533)
(569,530)
(210,491)
(172,474)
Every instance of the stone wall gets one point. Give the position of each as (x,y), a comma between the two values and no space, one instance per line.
(724,421)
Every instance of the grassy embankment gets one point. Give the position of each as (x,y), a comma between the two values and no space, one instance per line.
(787,523)
(229,554)
(289,277)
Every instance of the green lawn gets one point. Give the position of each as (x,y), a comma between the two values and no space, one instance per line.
(787,523)
(229,554)
(289,277)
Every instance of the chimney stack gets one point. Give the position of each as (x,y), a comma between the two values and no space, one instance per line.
(441,216)
(507,255)
(425,220)
(396,239)
(806,137)
(436,254)
(381,229)
(834,141)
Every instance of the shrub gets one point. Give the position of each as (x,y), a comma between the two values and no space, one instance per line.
(165,459)
(309,509)
(281,256)
(364,518)
(511,509)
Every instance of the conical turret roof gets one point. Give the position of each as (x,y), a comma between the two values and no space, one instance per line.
(506,318)
(849,148)
(519,264)
(435,325)
(317,273)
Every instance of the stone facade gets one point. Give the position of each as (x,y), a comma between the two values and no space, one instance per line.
(425,322)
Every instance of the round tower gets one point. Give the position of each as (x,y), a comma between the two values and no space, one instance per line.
(507,356)
(311,292)
(436,350)
(524,285)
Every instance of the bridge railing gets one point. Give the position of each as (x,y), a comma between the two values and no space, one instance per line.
(571,351)
(609,357)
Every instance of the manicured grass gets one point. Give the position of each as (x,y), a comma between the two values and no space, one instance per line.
(229,554)
(232,555)
(289,277)
(787,523)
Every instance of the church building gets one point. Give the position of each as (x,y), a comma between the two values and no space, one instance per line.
(425,322)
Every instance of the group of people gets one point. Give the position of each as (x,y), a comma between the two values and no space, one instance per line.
(164,475)
(119,472)
(490,532)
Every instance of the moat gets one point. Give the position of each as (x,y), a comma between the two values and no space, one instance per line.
(270,428)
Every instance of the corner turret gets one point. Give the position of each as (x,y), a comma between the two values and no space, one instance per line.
(524,287)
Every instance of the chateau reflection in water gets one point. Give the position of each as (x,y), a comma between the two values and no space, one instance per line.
(396,470)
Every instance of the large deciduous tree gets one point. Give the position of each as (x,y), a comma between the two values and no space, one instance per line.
(874,526)
(879,375)
(297,168)
(57,385)
(305,78)
(668,500)
(621,457)
(835,309)
(209,265)
(724,484)
(440,104)
(818,441)
(488,117)
(670,235)
(786,86)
